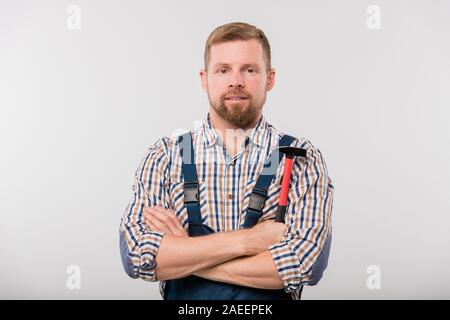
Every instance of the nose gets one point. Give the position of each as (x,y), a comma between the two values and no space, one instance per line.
(236,81)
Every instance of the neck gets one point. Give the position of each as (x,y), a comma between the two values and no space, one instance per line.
(231,135)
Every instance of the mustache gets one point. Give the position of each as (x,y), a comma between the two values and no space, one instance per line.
(235,93)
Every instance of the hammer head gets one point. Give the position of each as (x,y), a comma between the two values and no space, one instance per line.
(291,152)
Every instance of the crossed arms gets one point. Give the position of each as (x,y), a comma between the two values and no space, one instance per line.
(239,257)
(154,245)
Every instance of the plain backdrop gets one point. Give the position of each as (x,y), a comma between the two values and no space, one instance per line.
(79,108)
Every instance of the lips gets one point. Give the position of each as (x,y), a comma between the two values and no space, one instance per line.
(236,98)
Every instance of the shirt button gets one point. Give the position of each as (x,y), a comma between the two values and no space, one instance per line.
(230,196)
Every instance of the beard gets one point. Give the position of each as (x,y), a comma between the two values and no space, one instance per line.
(240,114)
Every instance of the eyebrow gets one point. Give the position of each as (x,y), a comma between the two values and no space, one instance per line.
(246,65)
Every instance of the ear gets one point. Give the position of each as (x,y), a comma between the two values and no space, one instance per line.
(204,79)
(270,79)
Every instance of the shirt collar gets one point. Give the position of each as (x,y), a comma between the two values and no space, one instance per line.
(257,135)
(209,132)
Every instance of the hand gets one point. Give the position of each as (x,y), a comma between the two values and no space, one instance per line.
(263,235)
(163,220)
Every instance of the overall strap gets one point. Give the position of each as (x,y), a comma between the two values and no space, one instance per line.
(259,193)
(191,186)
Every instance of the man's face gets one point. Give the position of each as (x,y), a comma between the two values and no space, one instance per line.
(237,81)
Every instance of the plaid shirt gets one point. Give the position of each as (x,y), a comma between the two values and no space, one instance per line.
(225,185)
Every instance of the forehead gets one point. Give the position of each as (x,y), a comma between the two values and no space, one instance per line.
(237,52)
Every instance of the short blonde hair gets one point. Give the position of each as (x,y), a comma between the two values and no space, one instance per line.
(237,31)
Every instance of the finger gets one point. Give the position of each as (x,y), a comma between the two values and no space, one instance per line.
(176,221)
(148,218)
(167,217)
(167,230)
(174,218)
(152,227)
(158,225)
(159,217)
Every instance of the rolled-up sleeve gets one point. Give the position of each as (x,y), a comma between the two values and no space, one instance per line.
(302,255)
(138,245)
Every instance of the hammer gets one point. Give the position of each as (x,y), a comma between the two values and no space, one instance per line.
(290,153)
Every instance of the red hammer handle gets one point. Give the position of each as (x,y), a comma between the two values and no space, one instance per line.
(284,189)
(286,181)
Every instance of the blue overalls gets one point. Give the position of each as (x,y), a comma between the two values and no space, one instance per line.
(196,288)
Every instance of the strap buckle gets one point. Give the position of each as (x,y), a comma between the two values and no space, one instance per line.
(191,192)
(257,199)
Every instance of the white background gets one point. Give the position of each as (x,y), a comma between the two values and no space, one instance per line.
(79,108)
